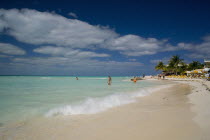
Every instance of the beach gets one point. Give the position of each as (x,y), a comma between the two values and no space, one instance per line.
(179,111)
(104,70)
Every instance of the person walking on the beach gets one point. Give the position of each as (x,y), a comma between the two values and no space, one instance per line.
(109,80)
(159,76)
(207,76)
(77,78)
(163,76)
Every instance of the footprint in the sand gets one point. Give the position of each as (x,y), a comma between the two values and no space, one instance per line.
(164,98)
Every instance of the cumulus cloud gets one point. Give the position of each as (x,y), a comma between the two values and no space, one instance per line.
(68,52)
(34,27)
(200,50)
(11,49)
(133,45)
(73,62)
(73,36)
(73,15)
(41,28)
(2,25)
(66,65)
(52,50)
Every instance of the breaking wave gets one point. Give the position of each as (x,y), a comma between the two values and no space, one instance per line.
(95,105)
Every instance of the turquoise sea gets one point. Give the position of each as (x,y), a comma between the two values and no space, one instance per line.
(25,97)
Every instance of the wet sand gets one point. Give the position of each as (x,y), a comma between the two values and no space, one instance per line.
(164,115)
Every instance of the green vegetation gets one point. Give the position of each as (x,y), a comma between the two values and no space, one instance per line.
(177,66)
(195,65)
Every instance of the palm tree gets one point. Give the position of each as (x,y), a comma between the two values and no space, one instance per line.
(182,68)
(174,63)
(195,65)
(160,66)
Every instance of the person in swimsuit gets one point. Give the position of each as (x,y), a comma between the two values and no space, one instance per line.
(109,80)
(134,79)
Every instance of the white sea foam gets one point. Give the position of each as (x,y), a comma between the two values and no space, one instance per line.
(95,105)
(126,80)
(46,78)
(95,78)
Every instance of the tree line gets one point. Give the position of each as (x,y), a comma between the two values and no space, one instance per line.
(177,66)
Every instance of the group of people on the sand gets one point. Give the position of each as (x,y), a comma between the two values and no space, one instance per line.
(208,76)
(161,76)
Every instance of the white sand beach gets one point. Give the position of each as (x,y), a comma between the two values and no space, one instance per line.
(176,113)
(200,100)
(104,70)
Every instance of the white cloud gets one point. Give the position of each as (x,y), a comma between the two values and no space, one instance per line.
(72,35)
(31,26)
(43,61)
(68,52)
(73,15)
(206,38)
(34,27)
(73,44)
(11,49)
(52,50)
(197,55)
(4,56)
(74,62)
(200,50)
(132,59)
(164,60)
(132,45)
(66,65)
(2,25)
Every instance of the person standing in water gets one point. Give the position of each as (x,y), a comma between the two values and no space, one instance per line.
(134,79)
(77,78)
(109,80)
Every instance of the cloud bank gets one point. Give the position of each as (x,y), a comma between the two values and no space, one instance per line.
(34,27)
(44,28)
(72,43)
(200,50)
(41,28)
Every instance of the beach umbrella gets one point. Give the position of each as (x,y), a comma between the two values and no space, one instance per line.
(195,71)
(206,69)
(188,72)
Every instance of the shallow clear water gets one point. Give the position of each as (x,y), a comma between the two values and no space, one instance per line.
(22,97)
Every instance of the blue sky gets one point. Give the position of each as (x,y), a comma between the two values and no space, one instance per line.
(100,38)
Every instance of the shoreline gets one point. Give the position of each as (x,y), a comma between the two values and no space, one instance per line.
(200,100)
(164,114)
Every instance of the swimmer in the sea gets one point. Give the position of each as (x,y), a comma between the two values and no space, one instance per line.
(109,80)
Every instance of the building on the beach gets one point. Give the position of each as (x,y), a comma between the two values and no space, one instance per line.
(207,63)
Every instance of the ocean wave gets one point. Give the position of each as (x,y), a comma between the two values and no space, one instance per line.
(95,105)
(95,78)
